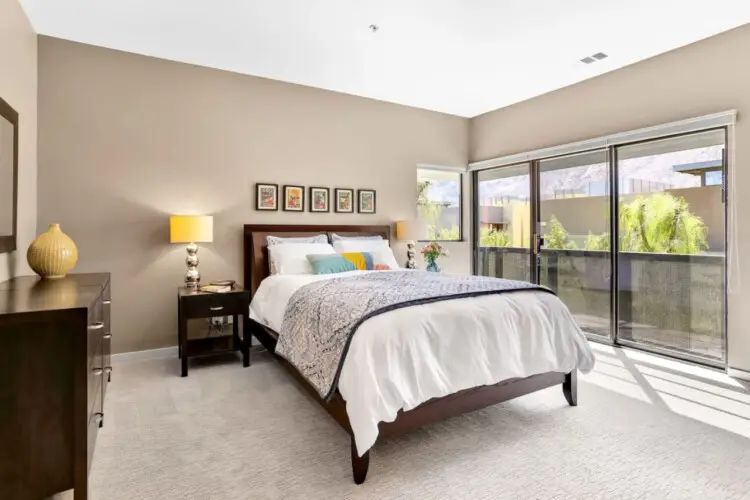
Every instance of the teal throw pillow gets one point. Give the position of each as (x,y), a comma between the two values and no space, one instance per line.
(330,264)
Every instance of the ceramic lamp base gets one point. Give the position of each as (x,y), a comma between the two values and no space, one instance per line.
(411,263)
(192,276)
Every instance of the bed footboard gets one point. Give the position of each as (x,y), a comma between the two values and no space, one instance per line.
(465,401)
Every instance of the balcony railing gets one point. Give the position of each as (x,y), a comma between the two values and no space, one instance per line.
(670,300)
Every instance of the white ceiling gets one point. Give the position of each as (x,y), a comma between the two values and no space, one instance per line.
(464,57)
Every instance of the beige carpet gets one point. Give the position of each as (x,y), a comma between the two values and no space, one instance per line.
(644,429)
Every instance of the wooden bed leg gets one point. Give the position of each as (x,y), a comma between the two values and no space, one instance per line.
(570,388)
(359,464)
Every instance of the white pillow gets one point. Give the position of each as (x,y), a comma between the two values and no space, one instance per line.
(348,245)
(338,237)
(292,259)
(277,240)
(385,257)
(381,252)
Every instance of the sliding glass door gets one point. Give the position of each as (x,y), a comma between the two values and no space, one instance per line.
(671,263)
(503,222)
(631,238)
(574,220)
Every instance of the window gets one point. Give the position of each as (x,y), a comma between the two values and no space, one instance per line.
(439,202)
(714,178)
(668,291)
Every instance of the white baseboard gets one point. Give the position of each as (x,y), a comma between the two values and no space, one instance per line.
(165,352)
(737,373)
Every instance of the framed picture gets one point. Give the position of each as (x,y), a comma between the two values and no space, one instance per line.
(294,198)
(266,196)
(366,201)
(344,200)
(319,199)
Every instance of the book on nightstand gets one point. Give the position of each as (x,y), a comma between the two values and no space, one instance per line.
(216,289)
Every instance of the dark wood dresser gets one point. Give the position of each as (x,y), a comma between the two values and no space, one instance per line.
(55,347)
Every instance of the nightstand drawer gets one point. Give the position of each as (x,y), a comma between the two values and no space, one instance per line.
(218,304)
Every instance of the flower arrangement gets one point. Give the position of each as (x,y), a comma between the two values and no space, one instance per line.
(431,252)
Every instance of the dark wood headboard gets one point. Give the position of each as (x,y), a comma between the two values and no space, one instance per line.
(255,249)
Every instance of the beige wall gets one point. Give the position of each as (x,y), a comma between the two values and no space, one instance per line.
(125,140)
(707,77)
(18,79)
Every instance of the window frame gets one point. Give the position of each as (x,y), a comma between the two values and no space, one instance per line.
(534,157)
(461,172)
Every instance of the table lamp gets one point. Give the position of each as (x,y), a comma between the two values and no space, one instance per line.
(409,231)
(191,229)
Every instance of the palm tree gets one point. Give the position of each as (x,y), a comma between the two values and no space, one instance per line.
(661,223)
(557,237)
(657,223)
(491,237)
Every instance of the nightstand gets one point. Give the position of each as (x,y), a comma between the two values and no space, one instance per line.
(192,304)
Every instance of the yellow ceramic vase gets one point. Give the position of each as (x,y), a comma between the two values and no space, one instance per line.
(52,254)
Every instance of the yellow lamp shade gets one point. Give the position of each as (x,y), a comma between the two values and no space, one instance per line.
(191,228)
(411,230)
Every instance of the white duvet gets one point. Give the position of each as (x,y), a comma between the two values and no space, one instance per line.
(402,358)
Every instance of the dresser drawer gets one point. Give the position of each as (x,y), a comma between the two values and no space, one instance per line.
(106,293)
(217,304)
(95,377)
(93,429)
(95,328)
(95,310)
(107,335)
(95,333)
(106,361)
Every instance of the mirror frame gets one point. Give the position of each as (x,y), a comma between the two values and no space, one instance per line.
(8,243)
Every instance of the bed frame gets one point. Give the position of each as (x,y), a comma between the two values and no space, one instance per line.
(434,410)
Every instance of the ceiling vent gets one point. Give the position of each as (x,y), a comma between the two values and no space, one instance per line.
(594,58)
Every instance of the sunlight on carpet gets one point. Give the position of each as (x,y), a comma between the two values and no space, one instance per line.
(702,394)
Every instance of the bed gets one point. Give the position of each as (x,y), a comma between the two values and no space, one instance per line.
(400,416)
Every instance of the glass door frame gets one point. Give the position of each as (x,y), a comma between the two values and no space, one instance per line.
(533,215)
(614,244)
(538,240)
(614,212)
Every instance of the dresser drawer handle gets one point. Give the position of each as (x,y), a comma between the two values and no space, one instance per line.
(107,369)
(107,336)
(97,326)
(97,371)
(106,302)
(216,308)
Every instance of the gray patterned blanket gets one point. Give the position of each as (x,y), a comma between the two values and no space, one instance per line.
(322,317)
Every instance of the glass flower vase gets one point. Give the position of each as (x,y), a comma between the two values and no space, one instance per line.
(433,266)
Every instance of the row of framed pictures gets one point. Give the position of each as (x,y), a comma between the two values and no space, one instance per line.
(267,198)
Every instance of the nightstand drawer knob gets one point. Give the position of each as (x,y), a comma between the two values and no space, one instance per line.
(97,371)
(216,308)
(107,369)
(97,326)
